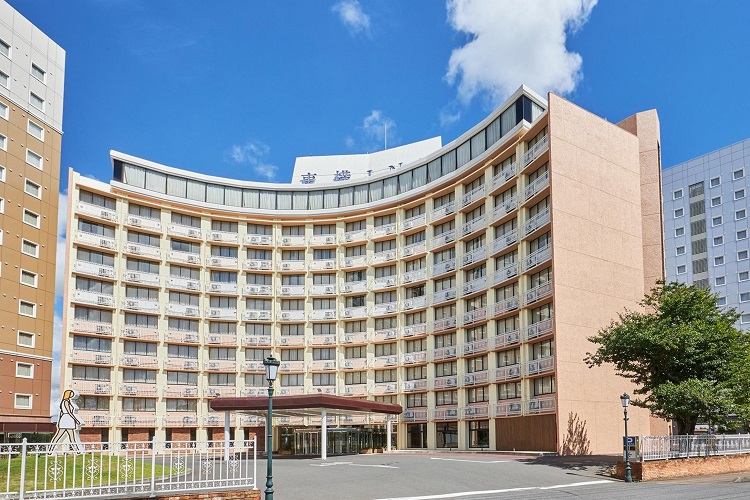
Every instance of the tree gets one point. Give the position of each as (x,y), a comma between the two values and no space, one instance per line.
(684,354)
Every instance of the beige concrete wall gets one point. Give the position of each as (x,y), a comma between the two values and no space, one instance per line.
(598,268)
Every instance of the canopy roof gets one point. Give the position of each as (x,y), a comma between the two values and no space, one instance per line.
(306,405)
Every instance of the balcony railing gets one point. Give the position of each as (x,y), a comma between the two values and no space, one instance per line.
(541,365)
(504,306)
(183,336)
(445,382)
(355,364)
(475,285)
(414,249)
(322,365)
(95,419)
(384,361)
(97,211)
(322,340)
(541,405)
(92,327)
(354,261)
(538,292)
(222,262)
(258,264)
(444,238)
(91,357)
(221,313)
(94,298)
(354,287)
(322,239)
(444,413)
(292,241)
(140,361)
(249,392)
(510,409)
(474,195)
(538,221)
(476,255)
(143,222)
(323,314)
(506,207)
(355,390)
(291,391)
(414,416)
(253,366)
(385,308)
(183,284)
(220,365)
(322,265)
(181,419)
(291,340)
(184,231)
(414,303)
(218,391)
(414,330)
(256,340)
(257,315)
(505,241)
(475,347)
(96,240)
(261,290)
(292,291)
(92,387)
(259,239)
(384,230)
(384,387)
(476,378)
(444,324)
(355,313)
(508,272)
(151,279)
(92,269)
(443,211)
(181,364)
(387,334)
(414,385)
(139,249)
(471,317)
(473,226)
(135,389)
(184,257)
(292,265)
(505,339)
(137,420)
(180,391)
(538,329)
(447,352)
(535,151)
(384,256)
(291,315)
(323,289)
(228,339)
(507,372)
(414,357)
(537,257)
(478,411)
(536,186)
(384,282)
(354,236)
(444,267)
(504,175)
(354,338)
(221,287)
(414,222)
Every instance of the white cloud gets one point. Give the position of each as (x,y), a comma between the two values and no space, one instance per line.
(253,154)
(371,135)
(449,115)
(62,227)
(54,397)
(512,42)
(353,17)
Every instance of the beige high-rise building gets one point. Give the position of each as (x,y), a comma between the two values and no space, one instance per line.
(460,281)
(32,70)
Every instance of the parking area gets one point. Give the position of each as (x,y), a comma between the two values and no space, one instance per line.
(476,476)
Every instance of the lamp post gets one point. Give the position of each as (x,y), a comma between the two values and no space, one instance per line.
(272,368)
(625,400)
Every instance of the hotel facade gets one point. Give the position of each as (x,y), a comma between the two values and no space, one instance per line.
(32,70)
(459,282)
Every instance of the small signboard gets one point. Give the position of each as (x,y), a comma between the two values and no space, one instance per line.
(631,444)
(15,435)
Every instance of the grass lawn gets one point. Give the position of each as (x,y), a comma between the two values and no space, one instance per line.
(77,470)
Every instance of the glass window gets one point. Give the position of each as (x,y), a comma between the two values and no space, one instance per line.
(479,433)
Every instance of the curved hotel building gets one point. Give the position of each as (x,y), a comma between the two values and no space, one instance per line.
(460,282)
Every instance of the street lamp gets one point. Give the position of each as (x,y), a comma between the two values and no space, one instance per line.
(625,400)
(272,369)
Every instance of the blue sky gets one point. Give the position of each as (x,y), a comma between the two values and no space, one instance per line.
(240,88)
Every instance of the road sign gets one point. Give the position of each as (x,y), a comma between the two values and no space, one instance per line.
(629,441)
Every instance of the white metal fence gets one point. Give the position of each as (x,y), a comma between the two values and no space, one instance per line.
(666,447)
(117,469)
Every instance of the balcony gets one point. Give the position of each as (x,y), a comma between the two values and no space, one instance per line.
(253,366)
(535,151)
(220,365)
(537,257)
(259,239)
(414,249)
(293,316)
(473,226)
(146,419)
(505,339)
(504,175)
(536,186)
(450,382)
(250,392)
(322,340)
(354,261)
(323,290)
(322,365)
(292,241)
(224,237)
(414,276)
(414,303)
(385,309)
(222,287)
(94,298)
(538,221)
(541,365)
(444,238)
(414,330)
(258,265)
(133,389)
(257,315)
(472,196)
(292,366)
(511,409)
(226,339)
(535,330)
(222,262)
(444,324)
(291,391)
(355,313)
(506,207)
(384,387)
(92,327)
(184,257)
(475,347)
(414,222)
(181,419)
(388,334)
(414,416)
(189,311)
(475,285)
(323,315)
(476,378)
(146,223)
(181,364)
(355,364)
(258,290)
(356,390)
(92,387)
(443,296)
(502,275)
(414,358)
(443,211)
(479,411)
(384,282)
(476,255)
(355,287)
(507,372)
(475,316)
(292,265)
(538,292)
(184,231)
(323,240)
(148,251)
(445,267)
(384,361)
(384,230)
(322,265)
(292,291)
(291,340)
(96,240)
(139,361)
(443,413)
(354,338)
(97,211)
(183,336)
(95,419)
(180,391)
(447,352)
(219,391)
(91,357)
(357,236)
(504,241)
(148,279)
(505,306)
(414,385)
(541,405)
(92,269)
(384,256)
(256,340)
(325,389)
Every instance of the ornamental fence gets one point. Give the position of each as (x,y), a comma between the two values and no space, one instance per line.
(707,445)
(117,469)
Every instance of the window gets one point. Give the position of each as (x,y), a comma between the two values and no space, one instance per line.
(4,79)
(677,194)
(720,280)
(23,401)
(26,339)
(744,276)
(717,221)
(24,370)
(36,101)
(28,278)
(718,241)
(3,142)
(31,218)
(2,205)
(745,297)
(738,174)
(719,261)
(739,194)
(33,189)
(715,182)
(679,213)
(716,201)
(4,48)
(26,308)
(182,405)
(35,130)
(679,231)
(740,214)
(38,73)
(479,433)
(742,255)
(681,269)
(3,110)
(34,159)
(680,250)
(745,318)
(742,234)
(2,174)
(30,248)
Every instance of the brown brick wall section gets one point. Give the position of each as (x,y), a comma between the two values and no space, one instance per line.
(684,467)
(180,434)
(215,495)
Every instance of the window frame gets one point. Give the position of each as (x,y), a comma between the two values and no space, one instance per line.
(31,369)
(31,101)
(676,196)
(36,245)
(43,79)
(26,185)
(33,304)
(38,218)
(30,335)
(15,401)
(681,213)
(35,275)
(28,129)
(34,154)
(684,269)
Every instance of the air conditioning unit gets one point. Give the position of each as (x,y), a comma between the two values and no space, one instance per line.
(214,339)
(467,258)
(193,233)
(131,304)
(390,388)
(193,285)
(408,224)
(213,365)
(284,341)
(215,286)
(330,289)
(390,230)
(99,420)
(106,243)
(192,392)
(348,338)
(408,251)
(130,332)
(216,236)
(348,237)
(214,313)
(450,294)
(103,300)
(191,337)
(468,379)
(286,290)
(330,240)
(191,365)
(108,215)
(130,361)
(329,314)
(253,289)
(329,265)
(448,210)
(467,289)
(390,282)
(470,411)
(101,359)
(130,390)
(286,315)
(133,249)
(286,265)
(514,372)
(533,405)
(390,255)
(215,262)
(450,382)
(391,334)
(255,240)
(449,238)
(390,307)
(132,277)
(408,386)
(103,328)
(286,241)
(408,414)
(347,288)
(191,311)
(101,389)
(347,313)
(407,278)
(193,259)
(408,304)
(105,273)
(348,364)
(134,221)
(349,390)
(450,265)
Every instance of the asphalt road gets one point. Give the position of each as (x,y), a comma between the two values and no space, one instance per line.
(476,477)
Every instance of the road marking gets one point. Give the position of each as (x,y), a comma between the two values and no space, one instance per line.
(329,464)
(472,461)
(493,492)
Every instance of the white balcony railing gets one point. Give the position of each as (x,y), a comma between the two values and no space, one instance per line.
(292,241)
(537,257)
(444,324)
(414,330)
(443,211)
(291,315)
(384,361)
(471,317)
(141,305)
(96,240)
(384,256)
(475,347)
(445,382)
(447,352)
(506,207)
(538,329)
(258,264)
(476,255)
(506,372)
(140,277)
(384,387)
(94,298)
(384,230)
(257,315)
(184,257)
(541,365)
(322,239)
(153,252)
(136,360)
(291,340)
(184,231)
(387,334)
(473,226)
(97,211)
(414,303)
(355,312)
(220,365)
(504,241)
(137,420)
(504,306)
(414,416)
(322,365)
(182,364)
(505,339)
(536,186)
(228,339)
(385,308)
(180,391)
(218,391)
(538,292)
(222,262)
(414,385)
(261,290)
(508,272)
(535,151)
(322,265)
(181,419)
(221,287)
(414,222)
(176,309)
(259,239)
(143,222)
(321,340)
(91,357)
(504,175)
(92,269)
(355,364)
(536,222)
(354,338)
(253,366)
(509,409)
(292,291)
(476,378)
(256,340)
(358,235)
(478,411)
(292,265)
(444,413)
(323,314)
(444,238)
(91,387)
(354,261)
(474,195)
(414,249)
(475,285)
(92,327)
(445,267)
(355,390)
(183,336)
(541,405)
(354,287)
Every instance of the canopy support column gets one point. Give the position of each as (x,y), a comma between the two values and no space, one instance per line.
(226,436)
(389,427)
(323,434)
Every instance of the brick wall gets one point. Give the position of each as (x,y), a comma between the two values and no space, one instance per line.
(684,467)
(138,434)
(214,495)
(90,435)
(180,434)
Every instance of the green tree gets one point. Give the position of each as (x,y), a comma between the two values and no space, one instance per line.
(684,354)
